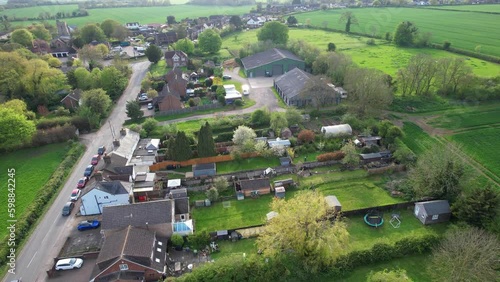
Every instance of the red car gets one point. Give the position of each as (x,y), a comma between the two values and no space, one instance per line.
(95,159)
(82,182)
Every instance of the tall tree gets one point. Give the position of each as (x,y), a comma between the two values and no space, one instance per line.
(22,36)
(351,157)
(113,82)
(278,122)
(293,116)
(181,31)
(452,75)
(182,149)
(236,22)
(154,53)
(291,20)
(185,45)
(15,128)
(418,76)
(349,19)
(209,41)
(171,20)
(206,145)
(133,109)
(333,65)
(97,100)
(477,207)
(149,125)
(41,82)
(83,79)
(13,66)
(108,27)
(90,54)
(469,254)
(273,31)
(39,31)
(302,229)
(242,134)
(91,32)
(368,92)
(439,173)
(405,34)
(318,90)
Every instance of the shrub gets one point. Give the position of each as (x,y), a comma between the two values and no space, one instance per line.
(177,240)
(238,103)
(224,137)
(333,156)
(306,136)
(446,45)
(370,42)
(54,135)
(212,194)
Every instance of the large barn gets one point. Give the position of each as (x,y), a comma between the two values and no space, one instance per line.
(273,62)
(289,86)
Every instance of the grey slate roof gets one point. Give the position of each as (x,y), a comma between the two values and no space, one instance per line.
(179,193)
(266,57)
(255,184)
(154,212)
(181,205)
(203,166)
(113,187)
(436,207)
(292,82)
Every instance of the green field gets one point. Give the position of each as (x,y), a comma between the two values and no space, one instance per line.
(142,15)
(383,56)
(416,139)
(468,117)
(481,29)
(482,145)
(33,167)
(474,8)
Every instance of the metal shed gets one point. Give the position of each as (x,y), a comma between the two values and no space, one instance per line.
(431,212)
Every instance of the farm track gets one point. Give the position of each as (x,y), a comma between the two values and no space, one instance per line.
(467,129)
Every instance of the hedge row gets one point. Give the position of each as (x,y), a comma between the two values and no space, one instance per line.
(54,135)
(45,194)
(332,156)
(79,122)
(469,53)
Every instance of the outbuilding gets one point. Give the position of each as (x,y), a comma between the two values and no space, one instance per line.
(336,130)
(333,203)
(431,212)
(254,187)
(272,62)
(204,170)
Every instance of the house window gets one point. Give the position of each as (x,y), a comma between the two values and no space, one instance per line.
(123,267)
(175,59)
(435,217)
(105,197)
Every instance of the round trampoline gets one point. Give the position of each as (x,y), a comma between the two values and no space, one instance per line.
(374,219)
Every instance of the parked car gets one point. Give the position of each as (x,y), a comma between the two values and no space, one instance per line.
(101,150)
(69,263)
(150,106)
(75,194)
(143,97)
(95,159)
(82,182)
(88,224)
(246,89)
(226,76)
(88,171)
(68,207)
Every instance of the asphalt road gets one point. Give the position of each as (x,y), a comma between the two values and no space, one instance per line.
(47,239)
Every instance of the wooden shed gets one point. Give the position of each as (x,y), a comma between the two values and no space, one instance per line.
(279,192)
(333,203)
(253,187)
(431,212)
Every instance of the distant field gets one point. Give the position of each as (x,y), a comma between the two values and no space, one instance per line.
(33,167)
(475,8)
(416,139)
(469,117)
(383,56)
(482,145)
(31,12)
(480,28)
(137,14)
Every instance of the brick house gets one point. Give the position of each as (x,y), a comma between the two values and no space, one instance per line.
(176,59)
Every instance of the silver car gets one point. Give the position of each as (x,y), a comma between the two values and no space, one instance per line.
(69,263)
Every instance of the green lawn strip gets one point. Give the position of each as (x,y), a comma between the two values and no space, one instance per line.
(33,167)
(416,139)
(246,164)
(481,145)
(160,69)
(415,266)
(468,117)
(245,246)
(364,237)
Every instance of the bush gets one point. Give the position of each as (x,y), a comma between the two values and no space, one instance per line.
(306,136)
(370,42)
(224,137)
(334,156)
(54,135)
(446,45)
(177,240)
(238,103)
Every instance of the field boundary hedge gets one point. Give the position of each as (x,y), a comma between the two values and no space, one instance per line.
(28,220)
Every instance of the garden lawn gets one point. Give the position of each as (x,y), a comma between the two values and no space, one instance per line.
(481,28)
(243,213)
(416,139)
(142,15)
(33,167)
(363,236)
(468,117)
(245,246)
(246,164)
(482,145)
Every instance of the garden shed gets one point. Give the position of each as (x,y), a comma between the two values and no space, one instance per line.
(203,170)
(333,203)
(174,183)
(284,182)
(253,187)
(431,212)
(279,192)
(284,161)
(336,130)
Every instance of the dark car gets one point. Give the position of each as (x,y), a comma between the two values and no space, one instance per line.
(226,77)
(68,207)
(101,150)
(88,224)
(88,171)
(82,182)
(95,159)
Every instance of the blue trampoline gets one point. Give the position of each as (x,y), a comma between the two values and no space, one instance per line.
(374,219)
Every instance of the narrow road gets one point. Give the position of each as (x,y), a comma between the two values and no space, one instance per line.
(49,236)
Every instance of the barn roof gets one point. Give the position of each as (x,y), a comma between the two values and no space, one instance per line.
(292,82)
(267,57)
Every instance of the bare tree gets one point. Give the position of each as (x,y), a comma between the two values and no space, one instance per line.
(452,74)
(466,255)
(368,92)
(334,65)
(418,76)
(318,90)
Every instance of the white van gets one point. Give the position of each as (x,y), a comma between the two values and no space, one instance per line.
(246,89)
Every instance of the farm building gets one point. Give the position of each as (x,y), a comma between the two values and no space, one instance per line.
(375,157)
(279,192)
(203,170)
(254,187)
(273,62)
(433,211)
(289,86)
(333,203)
(336,130)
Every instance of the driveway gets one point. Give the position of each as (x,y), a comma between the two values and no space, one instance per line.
(75,275)
(261,82)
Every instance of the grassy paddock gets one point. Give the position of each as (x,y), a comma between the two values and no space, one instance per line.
(416,139)
(468,117)
(472,8)
(443,24)
(33,168)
